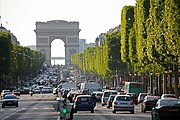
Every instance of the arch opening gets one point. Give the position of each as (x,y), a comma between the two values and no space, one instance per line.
(57,52)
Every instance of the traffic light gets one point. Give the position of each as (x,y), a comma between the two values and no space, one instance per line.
(64,109)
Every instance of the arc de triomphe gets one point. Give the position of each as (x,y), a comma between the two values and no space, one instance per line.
(48,31)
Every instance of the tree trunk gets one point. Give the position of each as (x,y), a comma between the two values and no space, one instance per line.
(176,81)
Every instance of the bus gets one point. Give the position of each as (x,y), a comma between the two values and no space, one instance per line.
(133,87)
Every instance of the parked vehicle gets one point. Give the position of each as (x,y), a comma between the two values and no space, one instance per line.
(10,100)
(84,103)
(148,103)
(106,95)
(123,103)
(110,100)
(167,108)
(5,92)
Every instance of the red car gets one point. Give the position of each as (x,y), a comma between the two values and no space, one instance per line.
(16,92)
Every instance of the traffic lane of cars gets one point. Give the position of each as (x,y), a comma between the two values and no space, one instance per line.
(36,107)
(102,113)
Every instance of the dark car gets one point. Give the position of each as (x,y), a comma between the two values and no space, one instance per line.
(10,100)
(134,96)
(167,108)
(83,103)
(110,100)
(148,103)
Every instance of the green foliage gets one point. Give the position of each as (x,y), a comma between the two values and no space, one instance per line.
(127,20)
(142,13)
(5,52)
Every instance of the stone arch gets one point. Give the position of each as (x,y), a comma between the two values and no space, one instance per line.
(48,31)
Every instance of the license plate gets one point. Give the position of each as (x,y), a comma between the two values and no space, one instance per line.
(9,103)
(174,110)
(124,103)
(84,103)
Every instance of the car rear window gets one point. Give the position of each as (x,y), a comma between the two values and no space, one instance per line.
(123,98)
(84,99)
(153,98)
(170,102)
(107,94)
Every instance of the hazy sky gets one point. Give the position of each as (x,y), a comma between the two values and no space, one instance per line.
(94,17)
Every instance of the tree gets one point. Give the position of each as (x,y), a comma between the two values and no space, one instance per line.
(5,52)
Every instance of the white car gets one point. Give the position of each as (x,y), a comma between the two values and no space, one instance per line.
(37,90)
(168,96)
(123,103)
(5,92)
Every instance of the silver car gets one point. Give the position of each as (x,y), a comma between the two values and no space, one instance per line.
(123,103)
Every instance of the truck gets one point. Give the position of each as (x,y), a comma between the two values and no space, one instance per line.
(90,86)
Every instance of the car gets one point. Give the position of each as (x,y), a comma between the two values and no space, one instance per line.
(123,103)
(5,92)
(110,100)
(98,95)
(167,108)
(148,103)
(36,90)
(83,103)
(16,92)
(134,97)
(106,95)
(46,90)
(10,100)
(168,96)
(141,97)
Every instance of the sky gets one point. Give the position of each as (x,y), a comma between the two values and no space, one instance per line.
(94,16)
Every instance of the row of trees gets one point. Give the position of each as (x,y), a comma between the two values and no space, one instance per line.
(17,62)
(147,44)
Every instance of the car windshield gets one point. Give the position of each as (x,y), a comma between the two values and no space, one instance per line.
(169,102)
(10,97)
(123,98)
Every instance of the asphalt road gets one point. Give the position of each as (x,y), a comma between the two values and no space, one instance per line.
(40,107)
(37,107)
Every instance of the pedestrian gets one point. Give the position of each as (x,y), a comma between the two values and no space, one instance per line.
(94,99)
